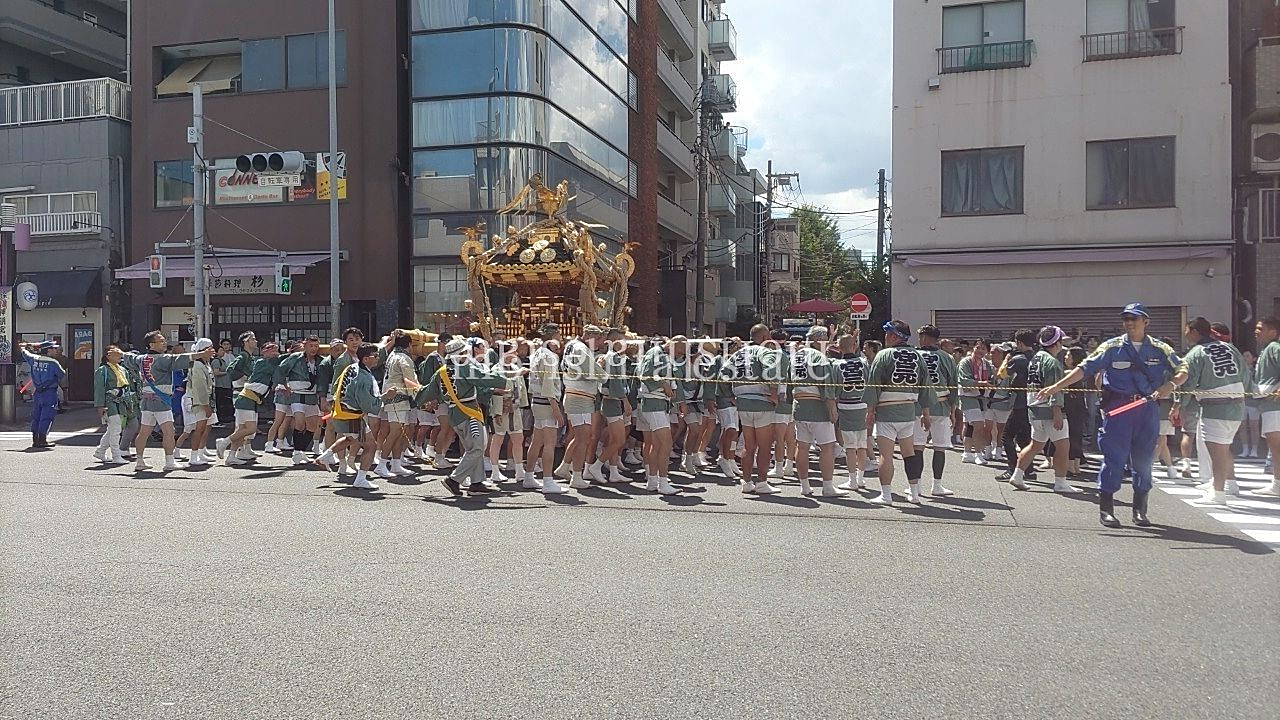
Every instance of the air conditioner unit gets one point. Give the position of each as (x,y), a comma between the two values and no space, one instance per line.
(1265,148)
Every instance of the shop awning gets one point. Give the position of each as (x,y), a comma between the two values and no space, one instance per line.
(66,288)
(225,265)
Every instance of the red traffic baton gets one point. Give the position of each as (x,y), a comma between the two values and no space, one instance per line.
(1128,406)
(24,388)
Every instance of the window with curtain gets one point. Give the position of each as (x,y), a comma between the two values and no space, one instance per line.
(1135,173)
(781,262)
(984,36)
(986,181)
(1128,28)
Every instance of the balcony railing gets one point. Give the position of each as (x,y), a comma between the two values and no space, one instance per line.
(72,100)
(1132,44)
(721,92)
(989,56)
(94,23)
(64,223)
(722,39)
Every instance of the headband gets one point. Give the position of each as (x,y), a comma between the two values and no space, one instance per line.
(1220,336)
(1057,336)
(889,327)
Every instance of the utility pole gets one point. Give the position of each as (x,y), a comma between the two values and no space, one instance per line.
(195,135)
(782,180)
(704,186)
(764,259)
(880,214)
(335,299)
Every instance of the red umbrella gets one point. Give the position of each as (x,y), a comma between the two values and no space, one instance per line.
(815,306)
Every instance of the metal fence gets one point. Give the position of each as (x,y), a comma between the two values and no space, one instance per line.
(1132,43)
(63,223)
(72,100)
(988,56)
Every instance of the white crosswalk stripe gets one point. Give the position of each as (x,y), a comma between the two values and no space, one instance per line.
(1256,516)
(11,437)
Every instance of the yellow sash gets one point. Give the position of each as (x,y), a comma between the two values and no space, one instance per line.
(255,397)
(473,413)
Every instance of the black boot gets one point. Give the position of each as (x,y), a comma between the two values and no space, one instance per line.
(1140,509)
(38,440)
(1107,509)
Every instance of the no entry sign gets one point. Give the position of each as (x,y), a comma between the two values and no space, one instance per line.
(860,306)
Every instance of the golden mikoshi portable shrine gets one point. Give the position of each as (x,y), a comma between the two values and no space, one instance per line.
(552,267)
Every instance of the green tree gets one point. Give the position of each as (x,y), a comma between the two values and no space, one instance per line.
(870,277)
(828,271)
(824,261)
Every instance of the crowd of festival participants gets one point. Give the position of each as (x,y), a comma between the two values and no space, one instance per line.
(762,410)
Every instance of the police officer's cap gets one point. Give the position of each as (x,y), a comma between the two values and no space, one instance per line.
(1136,309)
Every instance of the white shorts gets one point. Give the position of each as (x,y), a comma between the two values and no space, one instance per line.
(756,419)
(505,424)
(576,419)
(896,430)
(304,409)
(1043,431)
(615,419)
(939,430)
(1271,422)
(652,421)
(727,417)
(1219,432)
(284,408)
(246,416)
(783,418)
(427,418)
(1166,427)
(156,418)
(853,439)
(812,432)
(397,412)
(442,413)
(977,415)
(1000,416)
(189,416)
(543,417)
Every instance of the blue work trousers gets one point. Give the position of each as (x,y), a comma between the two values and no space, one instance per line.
(1129,439)
(44,408)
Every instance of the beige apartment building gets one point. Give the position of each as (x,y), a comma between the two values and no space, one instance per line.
(1053,161)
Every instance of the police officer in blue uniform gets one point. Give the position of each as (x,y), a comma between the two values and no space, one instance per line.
(1134,367)
(46,376)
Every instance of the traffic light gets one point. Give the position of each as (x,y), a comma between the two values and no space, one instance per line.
(284,161)
(284,283)
(155,277)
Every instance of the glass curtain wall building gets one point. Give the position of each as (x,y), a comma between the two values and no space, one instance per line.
(503,89)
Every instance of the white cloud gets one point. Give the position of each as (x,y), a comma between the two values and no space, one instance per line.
(814,91)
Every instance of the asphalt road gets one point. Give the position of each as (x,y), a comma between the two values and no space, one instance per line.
(280,593)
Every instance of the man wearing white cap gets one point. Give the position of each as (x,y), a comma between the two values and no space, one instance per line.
(196,406)
(155,368)
(582,377)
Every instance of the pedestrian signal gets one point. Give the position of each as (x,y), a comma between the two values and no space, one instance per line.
(155,275)
(284,282)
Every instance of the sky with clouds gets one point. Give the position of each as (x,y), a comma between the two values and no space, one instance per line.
(814,91)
